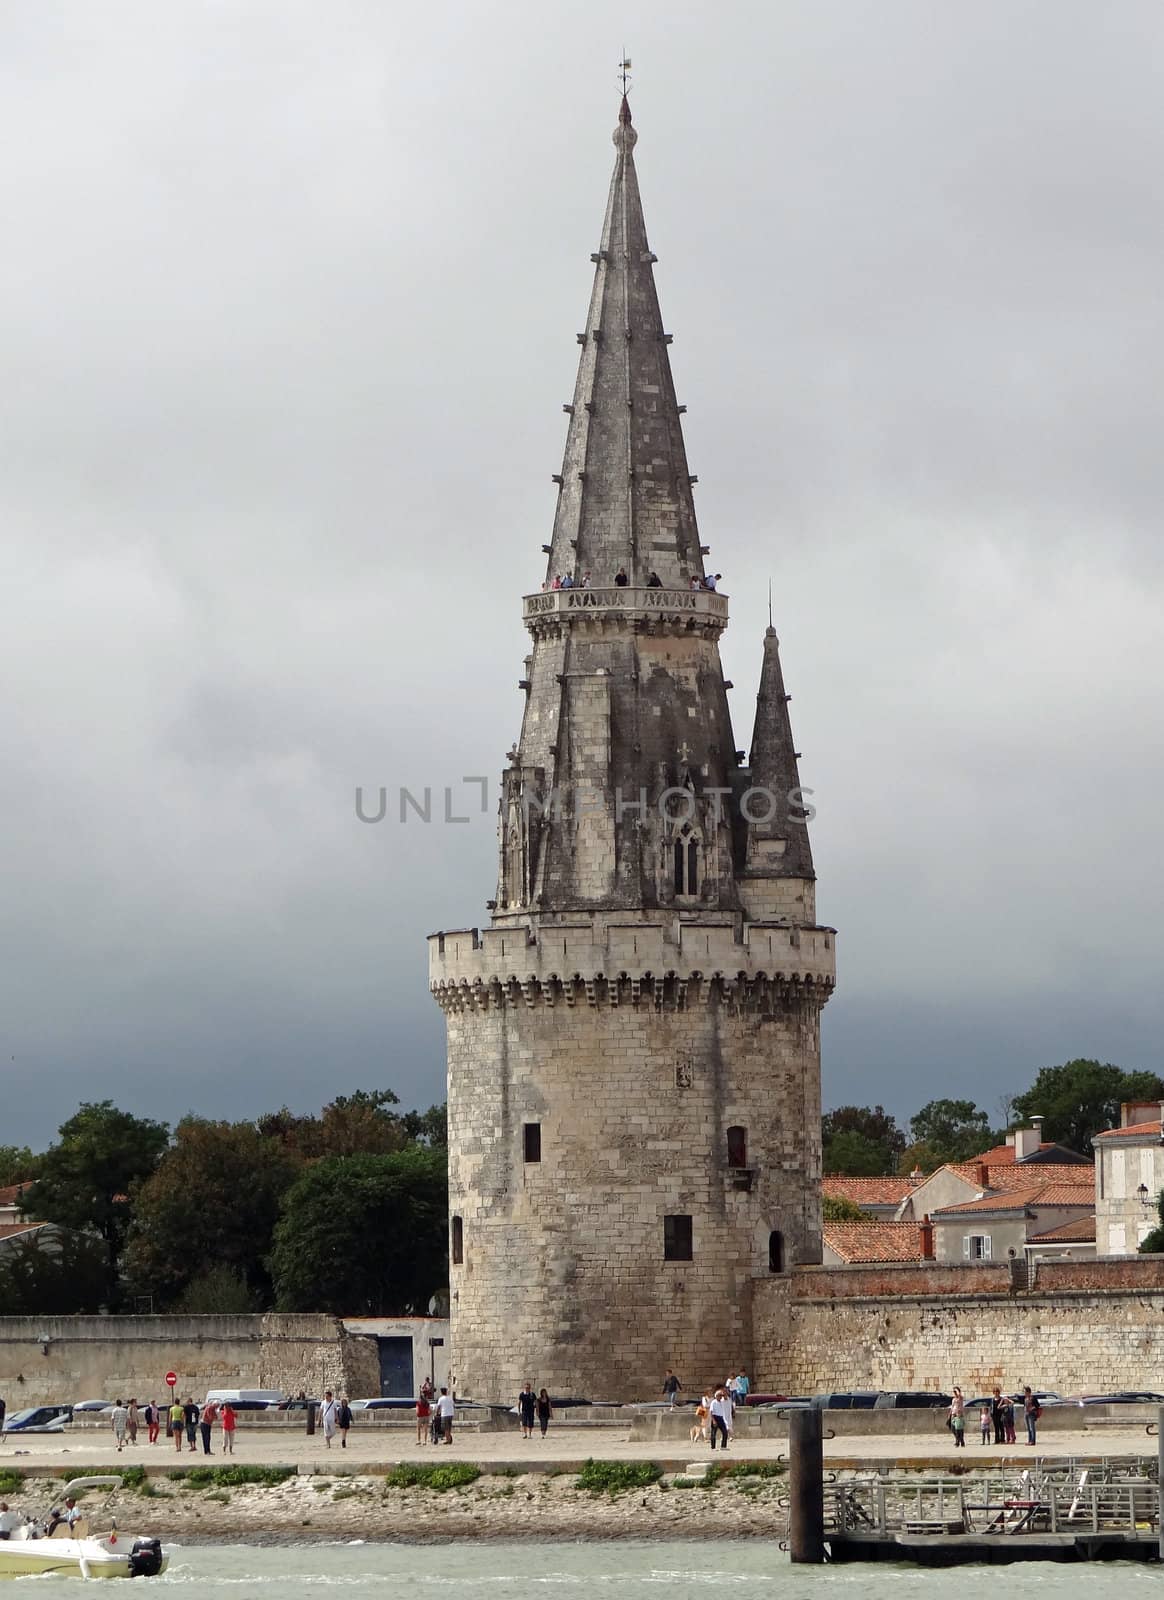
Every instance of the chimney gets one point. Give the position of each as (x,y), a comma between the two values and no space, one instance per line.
(1028,1140)
(982,1174)
(926,1228)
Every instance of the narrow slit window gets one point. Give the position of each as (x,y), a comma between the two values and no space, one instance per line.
(677,1244)
(775,1251)
(533,1141)
(458,1241)
(737,1147)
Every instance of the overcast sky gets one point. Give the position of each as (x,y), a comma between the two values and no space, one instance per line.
(288,299)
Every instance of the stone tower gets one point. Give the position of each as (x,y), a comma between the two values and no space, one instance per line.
(633,1042)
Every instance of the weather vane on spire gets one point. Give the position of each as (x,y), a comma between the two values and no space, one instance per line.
(624,67)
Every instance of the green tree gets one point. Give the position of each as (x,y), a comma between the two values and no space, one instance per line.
(218,1292)
(89,1177)
(17,1164)
(362,1123)
(861,1141)
(837,1208)
(429,1127)
(212,1202)
(58,1277)
(1081,1098)
(368,1234)
(946,1130)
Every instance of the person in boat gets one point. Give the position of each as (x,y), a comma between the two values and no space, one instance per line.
(70,1514)
(9,1520)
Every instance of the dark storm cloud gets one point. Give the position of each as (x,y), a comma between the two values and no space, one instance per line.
(287,303)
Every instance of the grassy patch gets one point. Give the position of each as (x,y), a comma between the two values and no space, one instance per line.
(754,1469)
(615,1477)
(10,1482)
(686,1483)
(409,1475)
(232,1477)
(220,1495)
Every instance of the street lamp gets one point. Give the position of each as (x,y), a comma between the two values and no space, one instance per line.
(1142,1191)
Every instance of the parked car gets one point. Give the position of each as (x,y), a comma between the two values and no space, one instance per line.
(385,1402)
(910,1399)
(847,1400)
(297,1405)
(247,1399)
(38,1419)
(755,1399)
(93,1405)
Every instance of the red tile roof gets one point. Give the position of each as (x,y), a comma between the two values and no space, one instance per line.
(10,1196)
(874,1241)
(9,1230)
(1011,1176)
(1016,1199)
(1082,1230)
(1137,1130)
(867,1191)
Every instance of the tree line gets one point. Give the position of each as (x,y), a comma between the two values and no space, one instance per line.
(1076,1101)
(343,1212)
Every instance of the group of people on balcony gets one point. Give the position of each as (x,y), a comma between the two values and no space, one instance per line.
(563,580)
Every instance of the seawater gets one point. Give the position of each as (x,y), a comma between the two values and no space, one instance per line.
(535,1569)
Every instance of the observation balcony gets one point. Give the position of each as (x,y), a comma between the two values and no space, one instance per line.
(702,611)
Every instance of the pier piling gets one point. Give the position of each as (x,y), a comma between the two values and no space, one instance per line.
(806,1485)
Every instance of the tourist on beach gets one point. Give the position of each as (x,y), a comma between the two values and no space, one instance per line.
(958,1418)
(671,1388)
(119,1421)
(446,1408)
(209,1414)
(190,1415)
(328,1417)
(721,1417)
(1032,1411)
(545,1410)
(527,1402)
(423,1411)
(344,1420)
(132,1422)
(176,1423)
(227,1417)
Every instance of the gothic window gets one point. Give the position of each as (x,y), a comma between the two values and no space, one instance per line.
(737,1147)
(458,1241)
(686,854)
(677,1244)
(533,1141)
(775,1251)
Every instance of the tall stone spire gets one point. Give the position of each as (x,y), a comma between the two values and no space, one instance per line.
(633,1041)
(624,496)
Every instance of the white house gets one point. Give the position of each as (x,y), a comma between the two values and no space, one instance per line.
(1129,1175)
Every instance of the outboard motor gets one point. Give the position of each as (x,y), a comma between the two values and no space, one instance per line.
(145,1559)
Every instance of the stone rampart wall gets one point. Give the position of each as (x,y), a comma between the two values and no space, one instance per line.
(66,1359)
(1085,1326)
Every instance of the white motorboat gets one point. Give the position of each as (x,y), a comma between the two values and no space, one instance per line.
(79,1552)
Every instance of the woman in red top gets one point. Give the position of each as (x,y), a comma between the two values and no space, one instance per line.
(226,1416)
(423,1411)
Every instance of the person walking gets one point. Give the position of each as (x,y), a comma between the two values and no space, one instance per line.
(118,1422)
(206,1422)
(1032,1411)
(721,1417)
(132,1422)
(671,1388)
(227,1418)
(446,1409)
(958,1418)
(190,1415)
(152,1421)
(176,1423)
(1008,1419)
(743,1386)
(423,1411)
(527,1403)
(328,1417)
(344,1420)
(985,1422)
(545,1410)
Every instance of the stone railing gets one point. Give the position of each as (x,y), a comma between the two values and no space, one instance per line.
(698,607)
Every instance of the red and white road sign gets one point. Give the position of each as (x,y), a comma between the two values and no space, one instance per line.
(171,1378)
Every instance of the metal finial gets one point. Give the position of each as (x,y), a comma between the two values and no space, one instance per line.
(769,602)
(624,67)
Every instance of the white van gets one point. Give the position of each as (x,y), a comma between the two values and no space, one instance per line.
(246,1399)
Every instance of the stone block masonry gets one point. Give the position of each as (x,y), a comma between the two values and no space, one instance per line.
(1085,1327)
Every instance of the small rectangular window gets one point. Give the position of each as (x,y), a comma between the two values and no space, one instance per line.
(458,1241)
(737,1147)
(533,1141)
(976,1246)
(677,1239)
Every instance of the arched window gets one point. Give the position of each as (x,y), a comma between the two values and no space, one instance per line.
(687,863)
(737,1147)
(775,1251)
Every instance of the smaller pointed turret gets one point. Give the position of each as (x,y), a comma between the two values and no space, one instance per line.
(777,842)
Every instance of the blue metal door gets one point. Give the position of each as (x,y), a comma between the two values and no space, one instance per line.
(396,1378)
